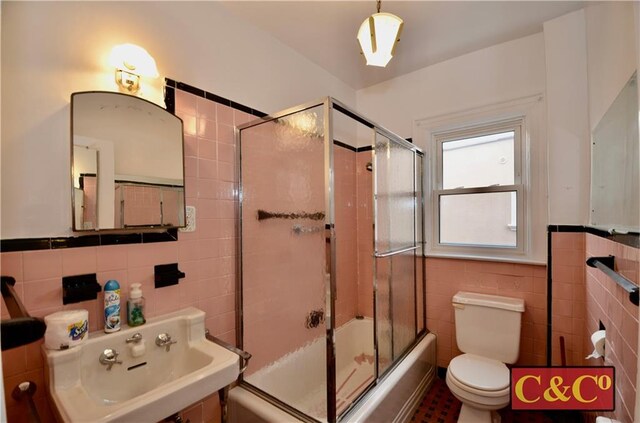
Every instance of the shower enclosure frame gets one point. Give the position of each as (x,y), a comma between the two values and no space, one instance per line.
(330,104)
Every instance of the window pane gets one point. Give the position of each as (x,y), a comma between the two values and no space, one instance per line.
(479,219)
(478,161)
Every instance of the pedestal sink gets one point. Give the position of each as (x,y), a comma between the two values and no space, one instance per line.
(147,380)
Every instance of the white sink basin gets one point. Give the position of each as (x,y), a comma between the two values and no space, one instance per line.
(83,390)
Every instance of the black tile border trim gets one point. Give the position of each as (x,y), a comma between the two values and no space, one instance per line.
(632,239)
(57,243)
(351,148)
(549,300)
(25,244)
(170,83)
(345,145)
(353,116)
(190,89)
(119,239)
(170,99)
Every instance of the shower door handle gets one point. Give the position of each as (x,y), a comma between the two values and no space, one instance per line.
(328,259)
(395,252)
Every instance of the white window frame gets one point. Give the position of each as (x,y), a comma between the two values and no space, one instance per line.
(531,110)
(487,128)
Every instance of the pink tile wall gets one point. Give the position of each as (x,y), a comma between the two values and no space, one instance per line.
(364,186)
(207,256)
(568,297)
(607,302)
(445,277)
(344,165)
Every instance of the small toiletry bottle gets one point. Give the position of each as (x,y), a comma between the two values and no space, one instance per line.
(111,306)
(135,306)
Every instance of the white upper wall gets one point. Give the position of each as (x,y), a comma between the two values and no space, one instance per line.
(51,49)
(611,53)
(499,73)
(567,119)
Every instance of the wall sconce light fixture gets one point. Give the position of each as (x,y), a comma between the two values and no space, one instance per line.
(132,62)
(378,36)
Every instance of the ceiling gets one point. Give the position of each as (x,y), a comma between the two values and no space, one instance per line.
(434,31)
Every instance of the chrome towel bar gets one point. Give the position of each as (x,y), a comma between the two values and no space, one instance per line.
(607,266)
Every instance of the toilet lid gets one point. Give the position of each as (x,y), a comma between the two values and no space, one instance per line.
(479,372)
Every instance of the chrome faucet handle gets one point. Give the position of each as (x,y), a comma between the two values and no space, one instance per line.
(137,337)
(109,357)
(164,340)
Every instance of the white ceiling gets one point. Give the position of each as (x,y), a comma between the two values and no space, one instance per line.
(434,31)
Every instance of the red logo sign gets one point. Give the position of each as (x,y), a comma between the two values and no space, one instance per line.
(563,388)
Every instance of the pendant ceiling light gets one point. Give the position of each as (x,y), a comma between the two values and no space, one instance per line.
(378,36)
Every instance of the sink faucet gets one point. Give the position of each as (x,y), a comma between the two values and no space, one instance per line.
(164,340)
(109,357)
(136,338)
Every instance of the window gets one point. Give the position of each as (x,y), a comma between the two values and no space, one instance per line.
(478,191)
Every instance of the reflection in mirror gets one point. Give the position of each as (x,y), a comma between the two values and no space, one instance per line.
(615,177)
(127,163)
(85,168)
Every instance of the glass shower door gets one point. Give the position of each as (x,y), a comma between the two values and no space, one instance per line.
(284,267)
(395,246)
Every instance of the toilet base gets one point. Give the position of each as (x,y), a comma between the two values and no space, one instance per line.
(475,415)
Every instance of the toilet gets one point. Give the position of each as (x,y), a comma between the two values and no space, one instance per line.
(488,333)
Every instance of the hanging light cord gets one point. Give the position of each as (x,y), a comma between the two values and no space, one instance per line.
(378,4)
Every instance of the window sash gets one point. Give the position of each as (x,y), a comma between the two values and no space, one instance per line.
(508,126)
(471,248)
(515,125)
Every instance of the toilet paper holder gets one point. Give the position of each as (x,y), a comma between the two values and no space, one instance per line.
(80,288)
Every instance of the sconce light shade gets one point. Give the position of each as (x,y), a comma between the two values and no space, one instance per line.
(378,36)
(132,62)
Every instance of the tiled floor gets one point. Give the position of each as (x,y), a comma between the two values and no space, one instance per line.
(440,406)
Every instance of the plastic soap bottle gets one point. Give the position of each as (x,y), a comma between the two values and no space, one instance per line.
(135,306)
(111,306)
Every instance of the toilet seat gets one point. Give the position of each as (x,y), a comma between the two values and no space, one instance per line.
(479,374)
(468,373)
(466,390)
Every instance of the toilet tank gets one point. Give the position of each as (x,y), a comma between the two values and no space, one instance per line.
(488,325)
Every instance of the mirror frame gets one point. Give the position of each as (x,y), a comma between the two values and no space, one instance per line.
(136,229)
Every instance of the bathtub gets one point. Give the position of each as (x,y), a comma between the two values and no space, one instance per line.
(393,399)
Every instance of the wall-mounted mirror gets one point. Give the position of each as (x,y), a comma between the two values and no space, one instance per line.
(615,152)
(127,163)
